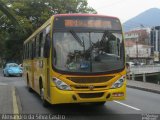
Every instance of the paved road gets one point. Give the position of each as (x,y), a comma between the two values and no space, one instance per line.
(137,104)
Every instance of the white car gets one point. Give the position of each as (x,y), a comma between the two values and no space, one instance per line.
(131,64)
(142,64)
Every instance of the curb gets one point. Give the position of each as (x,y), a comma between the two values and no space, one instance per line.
(14,102)
(144,89)
(18,101)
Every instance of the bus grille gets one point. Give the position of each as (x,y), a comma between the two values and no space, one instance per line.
(87,87)
(91,95)
(90,79)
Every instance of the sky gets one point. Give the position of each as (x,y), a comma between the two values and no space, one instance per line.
(123,9)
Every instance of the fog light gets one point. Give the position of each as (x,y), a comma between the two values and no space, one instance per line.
(74,97)
(118,94)
(108,96)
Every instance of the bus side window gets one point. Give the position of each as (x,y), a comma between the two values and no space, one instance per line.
(24,50)
(34,48)
(41,44)
(47,46)
(30,50)
(27,50)
(37,46)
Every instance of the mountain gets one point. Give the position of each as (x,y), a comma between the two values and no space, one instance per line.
(148,18)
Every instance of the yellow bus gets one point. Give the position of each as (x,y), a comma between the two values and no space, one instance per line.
(76,58)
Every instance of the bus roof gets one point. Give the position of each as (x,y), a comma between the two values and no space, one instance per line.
(38,30)
(64,15)
(80,14)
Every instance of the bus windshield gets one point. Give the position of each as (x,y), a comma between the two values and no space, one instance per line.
(89,52)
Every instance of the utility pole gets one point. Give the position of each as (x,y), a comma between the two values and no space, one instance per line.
(137,50)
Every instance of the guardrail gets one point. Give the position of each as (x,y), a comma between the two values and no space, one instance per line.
(144,69)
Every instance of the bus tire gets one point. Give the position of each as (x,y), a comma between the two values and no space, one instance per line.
(28,86)
(29,89)
(44,102)
(99,103)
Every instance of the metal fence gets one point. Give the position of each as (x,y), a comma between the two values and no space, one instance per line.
(145,69)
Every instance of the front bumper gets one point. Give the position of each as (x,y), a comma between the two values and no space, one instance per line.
(60,96)
(15,74)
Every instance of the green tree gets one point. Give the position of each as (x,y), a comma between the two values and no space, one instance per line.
(7,12)
(31,14)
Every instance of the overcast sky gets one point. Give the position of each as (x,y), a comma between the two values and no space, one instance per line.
(124,9)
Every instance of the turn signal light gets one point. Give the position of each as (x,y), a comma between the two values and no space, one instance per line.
(118,94)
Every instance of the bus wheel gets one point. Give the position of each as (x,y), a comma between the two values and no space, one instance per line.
(44,102)
(99,103)
(28,86)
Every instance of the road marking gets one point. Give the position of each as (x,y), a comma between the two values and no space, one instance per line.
(126,105)
(15,105)
(1,83)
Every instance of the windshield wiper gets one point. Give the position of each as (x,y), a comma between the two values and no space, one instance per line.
(77,38)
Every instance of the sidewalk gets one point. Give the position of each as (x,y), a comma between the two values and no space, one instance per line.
(6,101)
(150,87)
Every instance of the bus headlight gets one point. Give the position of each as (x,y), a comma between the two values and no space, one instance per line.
(60,84)
(119,82)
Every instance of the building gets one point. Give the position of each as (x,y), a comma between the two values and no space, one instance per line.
(140,35)
(155,42)
(137,42)
(137,52)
